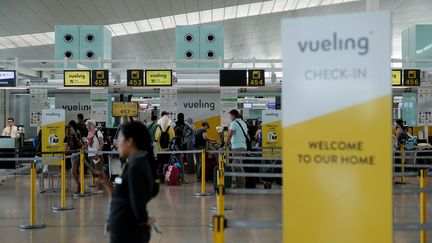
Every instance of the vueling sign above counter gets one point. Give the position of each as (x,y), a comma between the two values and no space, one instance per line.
(337,156)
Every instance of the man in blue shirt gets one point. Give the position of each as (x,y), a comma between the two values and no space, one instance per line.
(237,138)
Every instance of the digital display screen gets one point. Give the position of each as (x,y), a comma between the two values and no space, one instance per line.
(233,78)
(271,106)
(247,106)
(7,78)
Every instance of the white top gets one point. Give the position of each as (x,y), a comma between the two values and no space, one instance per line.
(94,148)
(10,131)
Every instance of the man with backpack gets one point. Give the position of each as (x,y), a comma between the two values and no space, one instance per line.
(238,138)
(163,136)
(187,131)
(200,142)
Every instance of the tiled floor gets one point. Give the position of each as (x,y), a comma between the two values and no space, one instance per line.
(182,216)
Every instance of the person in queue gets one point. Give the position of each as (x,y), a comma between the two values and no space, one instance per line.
(237,139)
(81,125)
(163,136)
(72,143)
(201,138)
(128,219)
(152,127)
(10,130)
(401,134)
(94,143)
(74,125)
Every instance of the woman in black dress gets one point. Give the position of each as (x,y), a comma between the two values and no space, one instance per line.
(128,219)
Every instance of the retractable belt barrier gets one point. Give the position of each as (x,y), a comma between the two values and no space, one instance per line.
(34,161)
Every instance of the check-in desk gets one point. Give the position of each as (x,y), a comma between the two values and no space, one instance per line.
(9,146)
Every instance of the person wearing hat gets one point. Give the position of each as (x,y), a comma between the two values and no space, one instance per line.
(201,138)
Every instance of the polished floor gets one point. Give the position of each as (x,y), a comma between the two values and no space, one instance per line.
(182,217)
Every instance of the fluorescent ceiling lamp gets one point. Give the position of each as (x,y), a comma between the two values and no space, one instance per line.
(205,16)
(118,29)
(230,12)
(131,27)
(168,22)
(279,6)
(17,40)
(156,24)
(302,4)
(7,43)
(143,25)
(218,14)
(242,10)
(31,40)
(255,9)
(193,18)
(180,19)
(267,7)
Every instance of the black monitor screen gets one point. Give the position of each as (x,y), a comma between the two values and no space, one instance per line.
(233,78)
(7,78)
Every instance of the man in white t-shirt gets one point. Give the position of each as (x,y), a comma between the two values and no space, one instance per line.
(94,143)
(10,130)
(237,138)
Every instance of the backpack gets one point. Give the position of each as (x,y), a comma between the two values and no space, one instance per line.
(410,143)
(164,139)
(248,141)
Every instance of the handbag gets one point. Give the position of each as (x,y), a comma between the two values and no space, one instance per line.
(248,141)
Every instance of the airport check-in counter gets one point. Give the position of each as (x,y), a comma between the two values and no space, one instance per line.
(10,146)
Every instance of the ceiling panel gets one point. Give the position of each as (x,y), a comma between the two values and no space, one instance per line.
(90,10)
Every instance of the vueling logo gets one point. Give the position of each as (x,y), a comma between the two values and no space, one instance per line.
(335,43)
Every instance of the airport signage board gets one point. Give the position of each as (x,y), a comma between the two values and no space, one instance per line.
(53,131)
(236,78)
(7,78)
(411,77)
(337,156)
(135,78)
(125,108)
(158,78)
(397,77)
(76,78)
(100,78)
(256,77)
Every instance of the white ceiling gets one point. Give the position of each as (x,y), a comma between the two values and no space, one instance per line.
(256,36)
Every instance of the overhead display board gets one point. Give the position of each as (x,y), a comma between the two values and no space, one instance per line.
(135,78)
(411,77)
(337,156)
(158,78)
(256,77)
(233,78)
(100,78)
(76,78)
(7,78)
(397,77)
(125,108)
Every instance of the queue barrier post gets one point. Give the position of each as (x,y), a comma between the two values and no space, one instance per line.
(423,174)
(219,223)
(203,192)
(63,206)
(403,163)
(32,224)
(82,192)
(220,180)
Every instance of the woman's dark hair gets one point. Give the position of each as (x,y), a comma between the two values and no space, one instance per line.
(140,135)
(178,132)
(73,124)
(164,113)
(235,113)
(180,119)
(400,123)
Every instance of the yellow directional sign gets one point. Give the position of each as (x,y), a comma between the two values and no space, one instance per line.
(158,77)
(125,108)
(76,78)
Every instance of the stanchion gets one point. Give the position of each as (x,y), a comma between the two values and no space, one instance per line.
(32,224)
(203,192)
(82,192)
(220,179)
(63,206)
(219,229)
(403,163)
(422,205)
